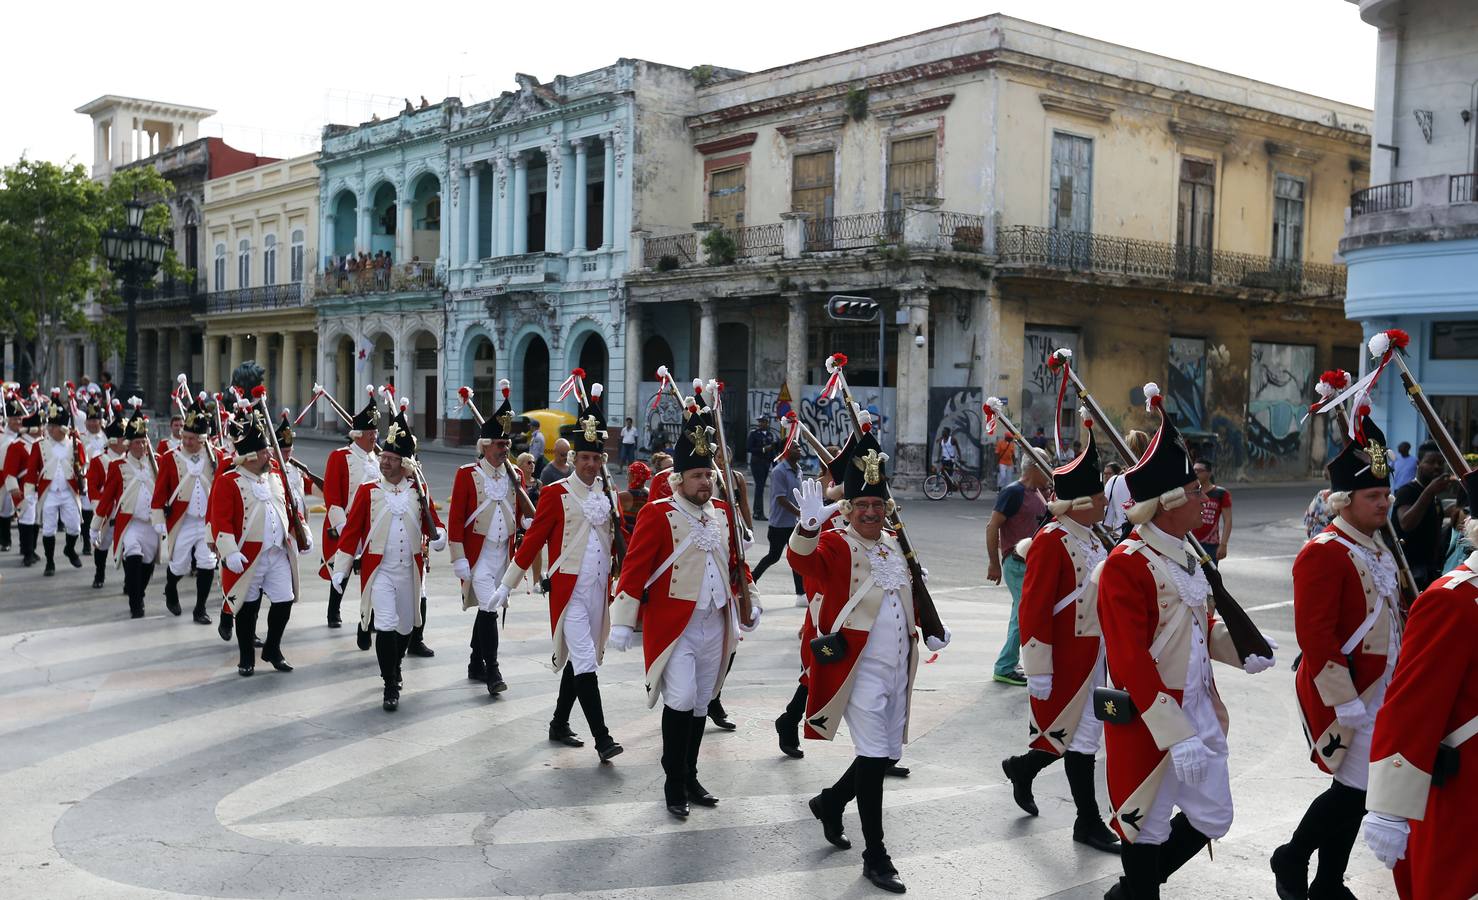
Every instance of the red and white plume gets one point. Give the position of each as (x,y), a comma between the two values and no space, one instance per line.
(1152,398)
(465,393)
(504,388)
(992,408)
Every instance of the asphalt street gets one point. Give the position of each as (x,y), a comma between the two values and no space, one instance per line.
(134,762)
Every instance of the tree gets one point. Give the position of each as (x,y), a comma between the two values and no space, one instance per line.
(51,222)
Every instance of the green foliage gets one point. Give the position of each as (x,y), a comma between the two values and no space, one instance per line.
(667,262)
(857,103)
(701,75)
(51,222)
(721,247)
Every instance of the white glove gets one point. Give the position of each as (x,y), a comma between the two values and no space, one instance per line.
(756,623)
(812,504)
(1386,837)
(1039,686)
(620,638)
(97,537)
(1254,664)
(462,569)
(340,579)
(1353,714)
(500,597)
(309,535)
(526,523)
(1272,644)
(936,644)
(337,518)
(1190,756)
(925,573)
(236,562)
(438,543)
(162,529)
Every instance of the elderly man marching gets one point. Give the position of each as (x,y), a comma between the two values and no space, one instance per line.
(1423,801)
(1062,645)
(98,464)
(574,521)
(677,574)
(483,526)
(1151,585)
(345,471)
(12,435)
(388,522)
(1346,613)
(181,501)
(55,479)
(865,655)
(126,503)
(249,525)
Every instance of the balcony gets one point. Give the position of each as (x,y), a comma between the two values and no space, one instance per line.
(393,280)
(266,297)
(182,294)
(1029,247)
(1422,210)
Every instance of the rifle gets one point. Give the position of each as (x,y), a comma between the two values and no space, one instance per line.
(1440,435)
(416,478)
(737,582)
(929,621)
(1404,578)
(525,505)
(315,480)
(1245,635)
(618,537)
(297,521)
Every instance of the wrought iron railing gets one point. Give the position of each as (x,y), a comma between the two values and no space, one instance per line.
(1027,246)
(1381,198)
(760,240)
(962,231)
(267,296)
(681,249)
(378,281)
(854,232)
(1463,188)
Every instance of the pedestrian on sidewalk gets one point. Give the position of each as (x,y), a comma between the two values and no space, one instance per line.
(1418,516)
(1005,462)
(1403,469)
(784,480)
(1215,533)
(1020,507)
(628,443)
(761,447)
(559,468)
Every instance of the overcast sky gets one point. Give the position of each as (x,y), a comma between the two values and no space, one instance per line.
(275,72)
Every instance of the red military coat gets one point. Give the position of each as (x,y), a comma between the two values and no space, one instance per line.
(39,471)
(165,445)
(343,473)
(1433,694)
(1060,634)
(364,536)
(237,522)
(119,497)
(667,603)
(173,488)
(1137,602)
(18,464)
(838,561)
(1334,594)
(471,515)
(97,473)
(814,589)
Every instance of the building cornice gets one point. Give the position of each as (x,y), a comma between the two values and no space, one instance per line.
(573,108)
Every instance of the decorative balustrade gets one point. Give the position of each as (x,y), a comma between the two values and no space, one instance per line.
(854,232)
(267,296)
(1463,188)
(378,281)
(681,249)
(759,240)
(1381,198)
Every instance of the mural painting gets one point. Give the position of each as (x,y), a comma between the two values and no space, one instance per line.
(958,409)
(1280,382)
(1039,384)
(1185,394)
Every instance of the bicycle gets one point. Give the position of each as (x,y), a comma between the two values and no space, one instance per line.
(946,480)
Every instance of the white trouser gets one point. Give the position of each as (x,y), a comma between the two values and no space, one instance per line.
(60,505)
(1354,769)
(7,505)
(1208,805)
(139,539)
(393,596)
(271,577)
(696,662)
(27,510)
(584,615)
(1089,733)
(877,710)
(105,535)
(487,575)
(190,541)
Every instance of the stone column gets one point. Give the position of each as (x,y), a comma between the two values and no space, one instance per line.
(362,228)
(702,230)
(503,206)
(636,255)
(581,195)
(520,204)
(455,218)
(474,213)
(185,358)
(554,204)
(608,194)
(90,362)
(707,340)
(287,379)
(405,376)
(634,339)
(212,348)
(148,358)
(911,410)
(795,345)
(403,242)
(237,356)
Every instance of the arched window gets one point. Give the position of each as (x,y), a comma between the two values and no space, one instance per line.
(243,263)
(269,259)
(219,275)
(296,260)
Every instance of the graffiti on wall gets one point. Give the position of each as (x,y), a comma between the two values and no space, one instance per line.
(1280,381)
(1039,384)
(1185,395)
(827,419)
(957,409)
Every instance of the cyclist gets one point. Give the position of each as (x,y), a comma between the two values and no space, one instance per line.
(949,454)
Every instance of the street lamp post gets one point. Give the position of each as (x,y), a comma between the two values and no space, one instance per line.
(135,255)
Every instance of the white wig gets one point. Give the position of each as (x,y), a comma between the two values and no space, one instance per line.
(1146,510)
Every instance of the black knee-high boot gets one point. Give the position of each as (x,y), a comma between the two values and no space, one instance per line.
(1088,828)
(5,534)
(485,652)
(402,641)
(48,544)
(335,597)
(172,591)
(476,671)
(559,726)
(387,652)
(1342,828)
(1290,862)
(787,725)
(877,867)
(28,544)
(587,689)
(696,792)
(1141,879)
(133,585)
(87,531)
(829,805)
(100,566)
(246,631)
(70,552)
(277,616)
(416,645)
(676,723)
(1181,847)
(204,579)
(1020,770)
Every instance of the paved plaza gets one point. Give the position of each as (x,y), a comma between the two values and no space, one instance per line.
(134,762)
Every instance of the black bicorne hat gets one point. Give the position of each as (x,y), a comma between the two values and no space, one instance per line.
(697,439)
(56,414)
(499,425)
(1365,461)
(589,433)
(199,415)
(285,430)
(13,407)
(136,427)
(249,434)
(399,438)
(369,417)
(113,430)
(866,470)
(1166,464)
(1083,476)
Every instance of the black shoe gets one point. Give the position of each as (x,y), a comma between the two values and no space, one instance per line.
(720,716)
(392,700)
(1337,892)
(173,606)
(97,580)
(280,664)
(699,794)
(831,823)
(361,638)
(245,671)
(1290,875)
(898,771)
(477,670)
(608,749)
(73,558)
(224,629)
(678,807)
(1097,835)
(560,733)
(1021,789)
(201,617)
(420,649)
(256,642)
(50,568)
(496,685)
(136,613)
(882,874)
(790,741)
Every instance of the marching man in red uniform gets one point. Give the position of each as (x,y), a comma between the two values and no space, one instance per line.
(483,526)
(1062,645)
(249,525)
(125,503)
(574,521)
(345,471)
(10,435)
(388,522)
(17,476)
(1423,804)
(677,574)
(866,654)
(98,464)
(176,435)
(1160,639)
(181,502)
(1346,611)
(55,479)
